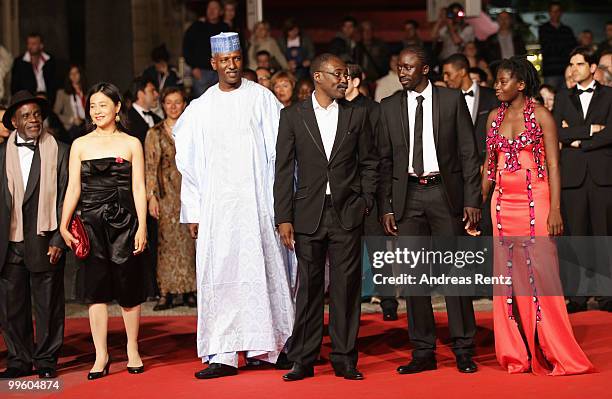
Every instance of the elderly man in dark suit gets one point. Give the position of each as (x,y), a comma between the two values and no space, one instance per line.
(34,173)
(430,185)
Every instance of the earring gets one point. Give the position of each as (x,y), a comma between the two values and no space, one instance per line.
(117,118)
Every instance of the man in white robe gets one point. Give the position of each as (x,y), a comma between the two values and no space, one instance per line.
(225,151)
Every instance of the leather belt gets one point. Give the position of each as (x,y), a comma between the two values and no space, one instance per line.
(328,201)
(425,180)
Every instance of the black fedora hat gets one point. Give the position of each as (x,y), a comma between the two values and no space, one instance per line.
(20,98)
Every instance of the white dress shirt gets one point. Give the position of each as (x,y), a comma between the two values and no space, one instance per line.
(471,100)
(141,111)
(506,44)
(25,160)
(386,86)
(77,106)
(38,70)
(430,159)
(327,120)
(585,98)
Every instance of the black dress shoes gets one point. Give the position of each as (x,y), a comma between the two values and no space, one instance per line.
(165,302)
(418,365)
(389,314)
(13,372)
(465,364)
(349,373)
(574,307)
(299,372)
(46,372)
(190,300)
(216,370)
(283,362)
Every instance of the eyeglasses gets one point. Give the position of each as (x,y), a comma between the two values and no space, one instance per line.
(337,74)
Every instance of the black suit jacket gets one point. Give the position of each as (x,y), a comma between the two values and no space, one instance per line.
(351,169)
(455,150)
(486,100)
(36,247)
(137,126)
(172,80)
(596,151)
(22,77)
(492,48)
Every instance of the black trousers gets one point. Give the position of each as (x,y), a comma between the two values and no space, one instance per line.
(428,213)
(19,286)
(373,227)
(151,287)
(588,211)
(344,248)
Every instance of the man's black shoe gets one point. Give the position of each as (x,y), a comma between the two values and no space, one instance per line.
(46,372)
(299,372)
(13,372)
(574,307)
(389,314)
(465,364)
(216,370)
(349,373)
(418,365)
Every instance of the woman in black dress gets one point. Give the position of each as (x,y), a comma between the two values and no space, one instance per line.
(107,188)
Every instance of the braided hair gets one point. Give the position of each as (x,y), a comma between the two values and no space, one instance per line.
(524,71)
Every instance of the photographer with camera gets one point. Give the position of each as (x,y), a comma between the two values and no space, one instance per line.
(451,31)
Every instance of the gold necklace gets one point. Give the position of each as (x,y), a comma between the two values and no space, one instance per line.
(97,134)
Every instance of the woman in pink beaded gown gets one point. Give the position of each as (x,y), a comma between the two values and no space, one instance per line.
(531,326)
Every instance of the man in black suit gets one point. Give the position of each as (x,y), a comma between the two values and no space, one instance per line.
(35,70)
(429,185)
(480,101)
(584,118)
(330,144)
(371,225)
(32,162)
(506,42)
(140,119)
(140,116)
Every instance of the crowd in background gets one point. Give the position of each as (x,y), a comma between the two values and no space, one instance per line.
(281,64)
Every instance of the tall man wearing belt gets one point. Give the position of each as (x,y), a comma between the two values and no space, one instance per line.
(430,185)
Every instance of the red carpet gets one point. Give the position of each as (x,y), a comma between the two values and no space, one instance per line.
(168,349)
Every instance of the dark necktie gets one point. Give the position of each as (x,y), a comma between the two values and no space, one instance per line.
(31,145)
(417,150)
(151,114)
(589,90)
(469,93)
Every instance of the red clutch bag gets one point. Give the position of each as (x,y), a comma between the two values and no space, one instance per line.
(81,247)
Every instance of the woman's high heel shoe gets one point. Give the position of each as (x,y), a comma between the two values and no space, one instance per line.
(99,374)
